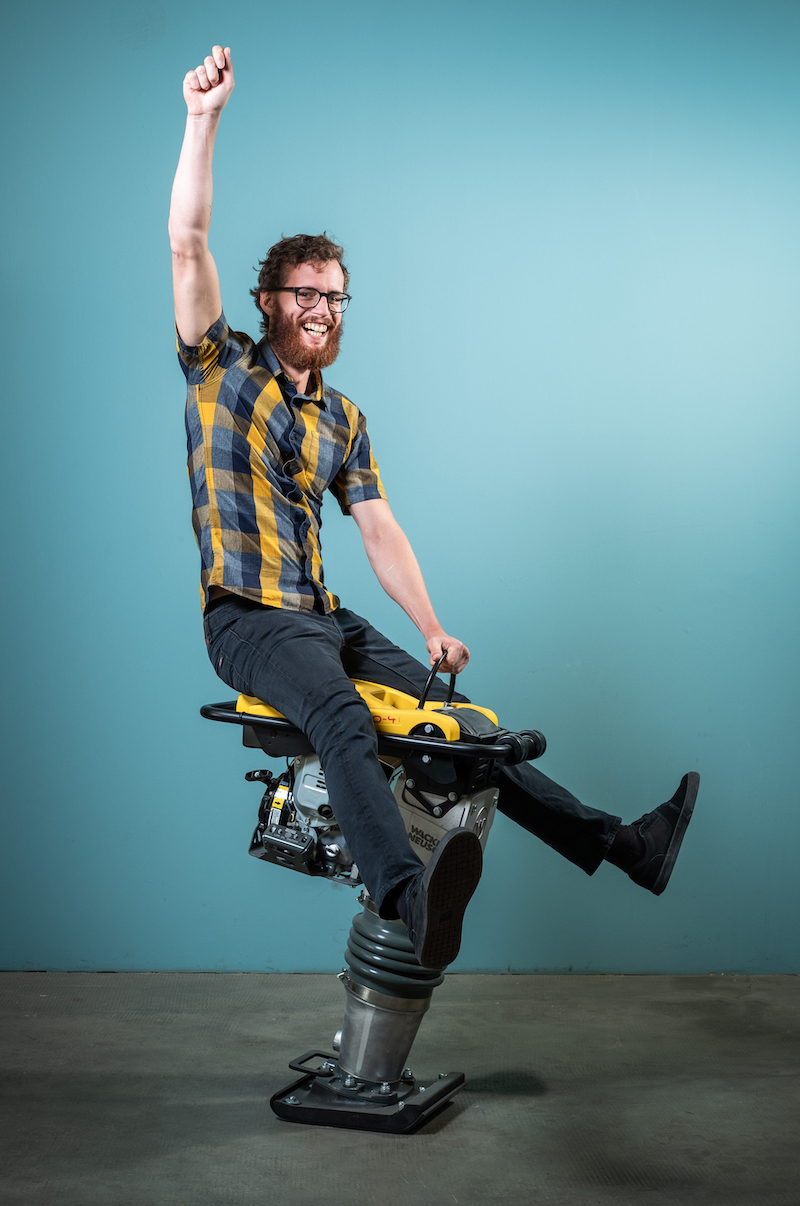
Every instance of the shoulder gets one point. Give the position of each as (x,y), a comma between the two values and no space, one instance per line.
(219,349)
(233,346)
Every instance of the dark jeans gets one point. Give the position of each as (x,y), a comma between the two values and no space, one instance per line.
(301,663)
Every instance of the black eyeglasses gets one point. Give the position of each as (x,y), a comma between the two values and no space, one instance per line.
(308,298)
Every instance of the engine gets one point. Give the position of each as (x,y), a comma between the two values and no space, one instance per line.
(297,827)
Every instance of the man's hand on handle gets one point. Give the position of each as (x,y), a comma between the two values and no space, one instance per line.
(457,652)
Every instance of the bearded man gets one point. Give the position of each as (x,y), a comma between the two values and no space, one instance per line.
(267,436)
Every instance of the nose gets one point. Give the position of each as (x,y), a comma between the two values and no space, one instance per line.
(322,304)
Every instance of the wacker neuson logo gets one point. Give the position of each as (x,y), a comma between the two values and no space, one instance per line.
(420,838)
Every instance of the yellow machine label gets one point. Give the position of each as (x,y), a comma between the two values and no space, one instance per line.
(278,802)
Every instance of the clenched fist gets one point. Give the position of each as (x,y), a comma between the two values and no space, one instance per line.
(207,88)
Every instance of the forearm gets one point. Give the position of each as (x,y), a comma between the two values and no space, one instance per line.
(193,189)
(396,568)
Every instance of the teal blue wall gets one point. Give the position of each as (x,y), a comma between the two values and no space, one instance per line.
(573,234)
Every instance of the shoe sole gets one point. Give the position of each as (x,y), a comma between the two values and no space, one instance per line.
(452,877)
(692,783)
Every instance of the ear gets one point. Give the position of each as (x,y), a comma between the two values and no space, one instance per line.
(267,302)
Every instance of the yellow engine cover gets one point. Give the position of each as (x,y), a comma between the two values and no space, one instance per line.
(392,711)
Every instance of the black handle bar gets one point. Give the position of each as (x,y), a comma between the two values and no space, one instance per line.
(423,699)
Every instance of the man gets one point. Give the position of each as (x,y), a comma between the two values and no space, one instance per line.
(266,437)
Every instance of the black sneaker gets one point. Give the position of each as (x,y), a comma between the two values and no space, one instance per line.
(433,905)
(662,832)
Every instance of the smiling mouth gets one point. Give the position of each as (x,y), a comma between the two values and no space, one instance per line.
(317,329)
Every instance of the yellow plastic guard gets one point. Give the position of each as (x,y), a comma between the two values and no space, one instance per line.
(392,711)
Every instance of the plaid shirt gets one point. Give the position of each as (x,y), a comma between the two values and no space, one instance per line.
(260,458)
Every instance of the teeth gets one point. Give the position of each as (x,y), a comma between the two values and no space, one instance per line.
(315,328)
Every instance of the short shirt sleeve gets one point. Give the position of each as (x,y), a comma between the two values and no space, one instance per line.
(219,348)
(358,480)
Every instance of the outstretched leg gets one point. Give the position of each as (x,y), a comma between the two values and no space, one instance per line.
(551,813)
(645,850)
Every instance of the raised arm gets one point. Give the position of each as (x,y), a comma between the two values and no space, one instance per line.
(194,274)
(398,572)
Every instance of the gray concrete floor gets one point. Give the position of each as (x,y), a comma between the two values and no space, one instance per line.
(154,1088)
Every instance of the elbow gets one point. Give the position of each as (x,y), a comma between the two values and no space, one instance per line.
(383,547)
(184,254)
(186,244)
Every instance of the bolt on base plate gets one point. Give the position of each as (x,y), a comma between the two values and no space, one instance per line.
(317,1100)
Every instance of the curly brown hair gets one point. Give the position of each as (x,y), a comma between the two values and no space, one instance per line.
(288,253)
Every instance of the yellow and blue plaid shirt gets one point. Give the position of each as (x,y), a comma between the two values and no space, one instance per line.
(260,459)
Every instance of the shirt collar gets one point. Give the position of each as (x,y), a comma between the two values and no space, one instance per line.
(317,392)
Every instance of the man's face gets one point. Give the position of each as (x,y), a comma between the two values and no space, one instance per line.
(306,339)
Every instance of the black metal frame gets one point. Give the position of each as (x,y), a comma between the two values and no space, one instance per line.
(388,743)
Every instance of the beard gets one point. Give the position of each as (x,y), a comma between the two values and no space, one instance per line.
(287,344)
